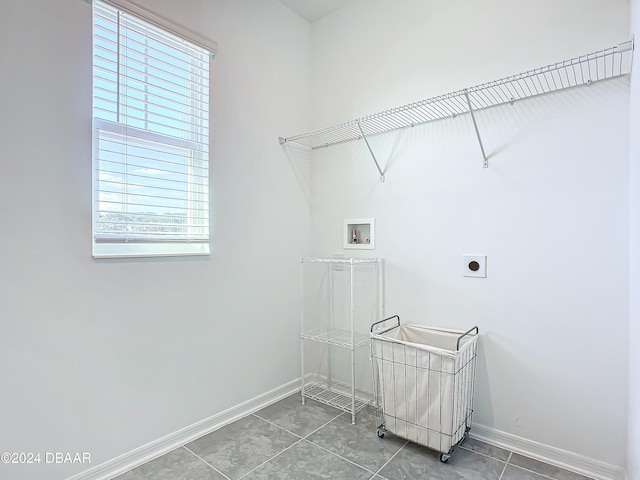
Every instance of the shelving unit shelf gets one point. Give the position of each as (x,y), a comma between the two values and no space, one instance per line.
(583,70)
(337,336)
(334,398)
(325,388)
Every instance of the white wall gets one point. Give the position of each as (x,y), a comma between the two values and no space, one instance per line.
(551,211)
(634,263)
(105,356)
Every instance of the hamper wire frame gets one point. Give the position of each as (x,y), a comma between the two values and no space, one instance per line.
(424,383)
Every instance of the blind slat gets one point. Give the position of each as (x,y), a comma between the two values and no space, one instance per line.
(168,209)
(182,183)
(155,166)
(105,214)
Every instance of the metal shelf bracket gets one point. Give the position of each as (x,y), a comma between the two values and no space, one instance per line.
(475,125)
(364,137)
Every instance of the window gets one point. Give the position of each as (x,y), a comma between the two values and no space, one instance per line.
(150,138)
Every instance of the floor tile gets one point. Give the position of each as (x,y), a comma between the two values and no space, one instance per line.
(176,465)
(360,442)
(516,473)
(415,462)
(241,446)
(291,415)
(486,449)
(552,471)
(305,461)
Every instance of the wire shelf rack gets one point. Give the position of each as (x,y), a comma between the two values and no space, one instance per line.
(583,70)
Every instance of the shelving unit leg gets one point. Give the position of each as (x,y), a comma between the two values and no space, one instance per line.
(301,330)
(330,268)
(353,348)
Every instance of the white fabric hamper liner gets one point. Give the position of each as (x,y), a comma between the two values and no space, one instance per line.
(424,383)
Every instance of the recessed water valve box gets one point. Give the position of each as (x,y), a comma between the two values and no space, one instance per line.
(474,265)
(359,233)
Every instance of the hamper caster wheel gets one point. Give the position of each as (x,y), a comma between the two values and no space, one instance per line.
(381,432)
(444,458)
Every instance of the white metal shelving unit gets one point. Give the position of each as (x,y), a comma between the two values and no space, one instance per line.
(583,70)
(330,392)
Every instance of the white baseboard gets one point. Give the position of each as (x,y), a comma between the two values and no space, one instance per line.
(545,453)
(170,442)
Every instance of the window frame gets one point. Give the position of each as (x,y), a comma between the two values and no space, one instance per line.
(137,244)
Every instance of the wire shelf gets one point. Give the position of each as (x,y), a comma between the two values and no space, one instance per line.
(338,260)
(334,398)
(583,70)
(336,336)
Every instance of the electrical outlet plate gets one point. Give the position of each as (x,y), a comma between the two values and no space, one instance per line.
(474,265)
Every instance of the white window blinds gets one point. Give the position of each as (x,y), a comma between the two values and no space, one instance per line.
(150,137)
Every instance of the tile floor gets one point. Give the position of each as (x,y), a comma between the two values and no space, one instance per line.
(287,440)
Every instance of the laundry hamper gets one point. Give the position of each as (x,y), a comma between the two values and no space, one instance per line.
(424,383)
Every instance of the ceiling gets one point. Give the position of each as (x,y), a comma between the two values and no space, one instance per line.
(312,10)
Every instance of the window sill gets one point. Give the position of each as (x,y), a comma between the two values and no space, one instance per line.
(132,250)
